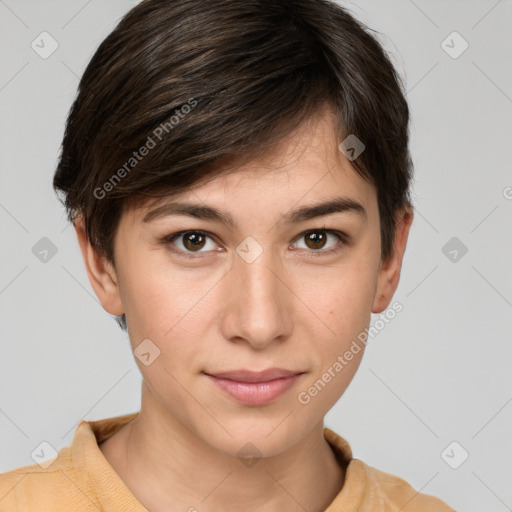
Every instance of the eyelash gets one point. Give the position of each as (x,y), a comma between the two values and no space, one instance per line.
(342,237)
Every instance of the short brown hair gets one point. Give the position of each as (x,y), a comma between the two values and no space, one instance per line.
(219,80)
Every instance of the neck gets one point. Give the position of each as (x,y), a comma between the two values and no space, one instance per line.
(168,467)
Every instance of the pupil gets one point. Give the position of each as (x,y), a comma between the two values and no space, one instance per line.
(317,239)
(195,240)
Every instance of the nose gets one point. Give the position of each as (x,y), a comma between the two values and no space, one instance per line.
(258,301)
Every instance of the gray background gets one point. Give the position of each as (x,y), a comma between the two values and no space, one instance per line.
(439,372)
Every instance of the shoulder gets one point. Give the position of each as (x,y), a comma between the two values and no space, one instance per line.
(366,488)
(394,493)
(43,488)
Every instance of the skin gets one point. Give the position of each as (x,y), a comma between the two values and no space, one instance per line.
(219,313)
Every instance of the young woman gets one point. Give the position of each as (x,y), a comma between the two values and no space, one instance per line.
(237,173)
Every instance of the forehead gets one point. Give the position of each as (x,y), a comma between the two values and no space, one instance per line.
(302,168)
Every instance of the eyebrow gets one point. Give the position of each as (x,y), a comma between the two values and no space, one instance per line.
(199,211)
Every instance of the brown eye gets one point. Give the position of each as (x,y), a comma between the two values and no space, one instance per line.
(315,239)
(193,240)
(189,243)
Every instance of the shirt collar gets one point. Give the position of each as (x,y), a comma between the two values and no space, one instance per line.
(113,494)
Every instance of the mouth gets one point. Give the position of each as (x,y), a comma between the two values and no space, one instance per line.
(255,388)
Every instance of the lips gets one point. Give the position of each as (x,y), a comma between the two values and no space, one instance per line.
(250,376)
(255,388)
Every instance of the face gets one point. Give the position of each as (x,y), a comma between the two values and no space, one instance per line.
(271,289)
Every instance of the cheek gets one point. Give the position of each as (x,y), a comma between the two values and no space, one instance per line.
(341,297)
(337,354)
(157,299)
(173,309)
(341,300)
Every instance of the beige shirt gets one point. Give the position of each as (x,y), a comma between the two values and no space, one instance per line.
(81,479)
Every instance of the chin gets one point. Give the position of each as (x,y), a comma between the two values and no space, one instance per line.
(255,436)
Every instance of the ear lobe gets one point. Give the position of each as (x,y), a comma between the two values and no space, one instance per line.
(389,273)
(101,272)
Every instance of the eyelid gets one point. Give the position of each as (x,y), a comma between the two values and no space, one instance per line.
(169,239)
(343,238)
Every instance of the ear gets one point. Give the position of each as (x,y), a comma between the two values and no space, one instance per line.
(389,273)
(101,272)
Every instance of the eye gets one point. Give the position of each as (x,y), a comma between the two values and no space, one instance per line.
(193,243)
(316,241)
(189,242)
